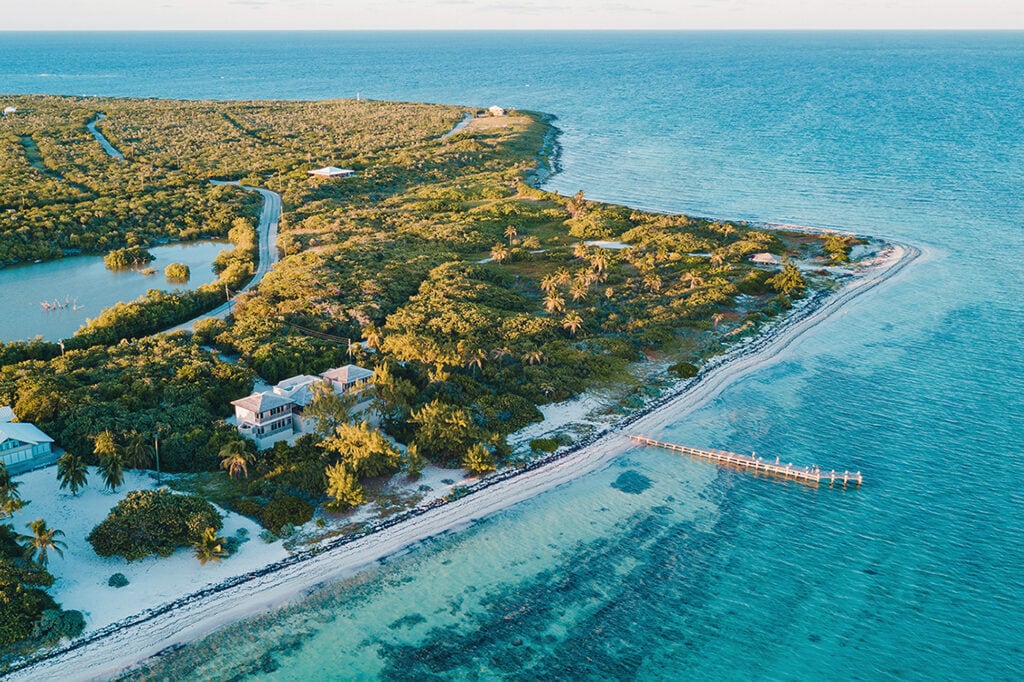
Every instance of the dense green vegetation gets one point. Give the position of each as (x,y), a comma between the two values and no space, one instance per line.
(154,522)
(165,385)
(29,617)
(473,295)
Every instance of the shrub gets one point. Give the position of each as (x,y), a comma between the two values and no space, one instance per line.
(177,272)
(544,444)
(153,522)
(206,331)
(117,580)
(683,370)
(54,625)
(283,511)
(131,257)
(247,507)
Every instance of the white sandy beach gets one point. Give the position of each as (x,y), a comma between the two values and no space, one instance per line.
(122,645)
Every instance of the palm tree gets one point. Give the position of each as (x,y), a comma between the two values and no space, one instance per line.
(72,472)
(112,470)
(499,253)
(372,336)
(235,458)
(533,357)
(693,280)
(578,289)
(548,284)
(10,500)
(653,282)
(599,261)
(553,303)
(580,251)
(511,233)
(210,547)
(105,444)
(476,358)
(573,321)
(138,451)
(42,540)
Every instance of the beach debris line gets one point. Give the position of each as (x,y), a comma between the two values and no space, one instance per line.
(812,476)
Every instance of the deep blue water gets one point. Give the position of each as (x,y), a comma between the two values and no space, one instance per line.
(706,574)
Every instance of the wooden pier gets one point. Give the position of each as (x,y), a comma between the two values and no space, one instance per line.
(812,476)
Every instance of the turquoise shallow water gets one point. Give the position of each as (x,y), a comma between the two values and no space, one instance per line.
(705,574)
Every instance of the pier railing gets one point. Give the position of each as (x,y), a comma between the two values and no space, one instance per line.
(813,476)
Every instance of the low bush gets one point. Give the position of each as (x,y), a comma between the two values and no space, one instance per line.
(177,272)
(54,625)
(283,511)
(153,522)
(544,444)
(118,580)
(683,370)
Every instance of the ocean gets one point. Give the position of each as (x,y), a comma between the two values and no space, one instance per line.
(698,573)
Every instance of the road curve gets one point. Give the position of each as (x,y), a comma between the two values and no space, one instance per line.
(266,233)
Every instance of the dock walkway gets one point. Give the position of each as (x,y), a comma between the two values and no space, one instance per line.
(813,476)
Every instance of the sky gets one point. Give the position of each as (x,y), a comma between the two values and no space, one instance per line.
(508,14)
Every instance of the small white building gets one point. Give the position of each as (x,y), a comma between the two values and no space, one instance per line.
(332,172)
(496,111)
(21,442)
(765,258)
(347,377)
(10,110)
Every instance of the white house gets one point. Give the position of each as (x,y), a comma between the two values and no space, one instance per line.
(21,442)
(349,376)
(332,172)
(299,389)
(267,417)
(262,416)
(765,258)
(496,111)
(10,110)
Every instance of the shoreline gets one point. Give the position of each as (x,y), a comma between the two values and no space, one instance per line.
(122,645)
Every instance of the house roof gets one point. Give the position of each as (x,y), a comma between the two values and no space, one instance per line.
(766,258)
(261,402)
(6,414)
(348,374)
(331,171)
(292,383)
(24,432)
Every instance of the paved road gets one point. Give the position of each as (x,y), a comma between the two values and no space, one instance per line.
(266,231)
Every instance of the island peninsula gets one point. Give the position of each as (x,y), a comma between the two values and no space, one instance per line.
(488,310)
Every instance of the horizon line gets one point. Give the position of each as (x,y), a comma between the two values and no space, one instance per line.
(876,29)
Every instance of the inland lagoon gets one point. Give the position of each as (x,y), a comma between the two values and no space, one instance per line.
(55,298)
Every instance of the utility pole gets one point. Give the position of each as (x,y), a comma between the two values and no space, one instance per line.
(156,448)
